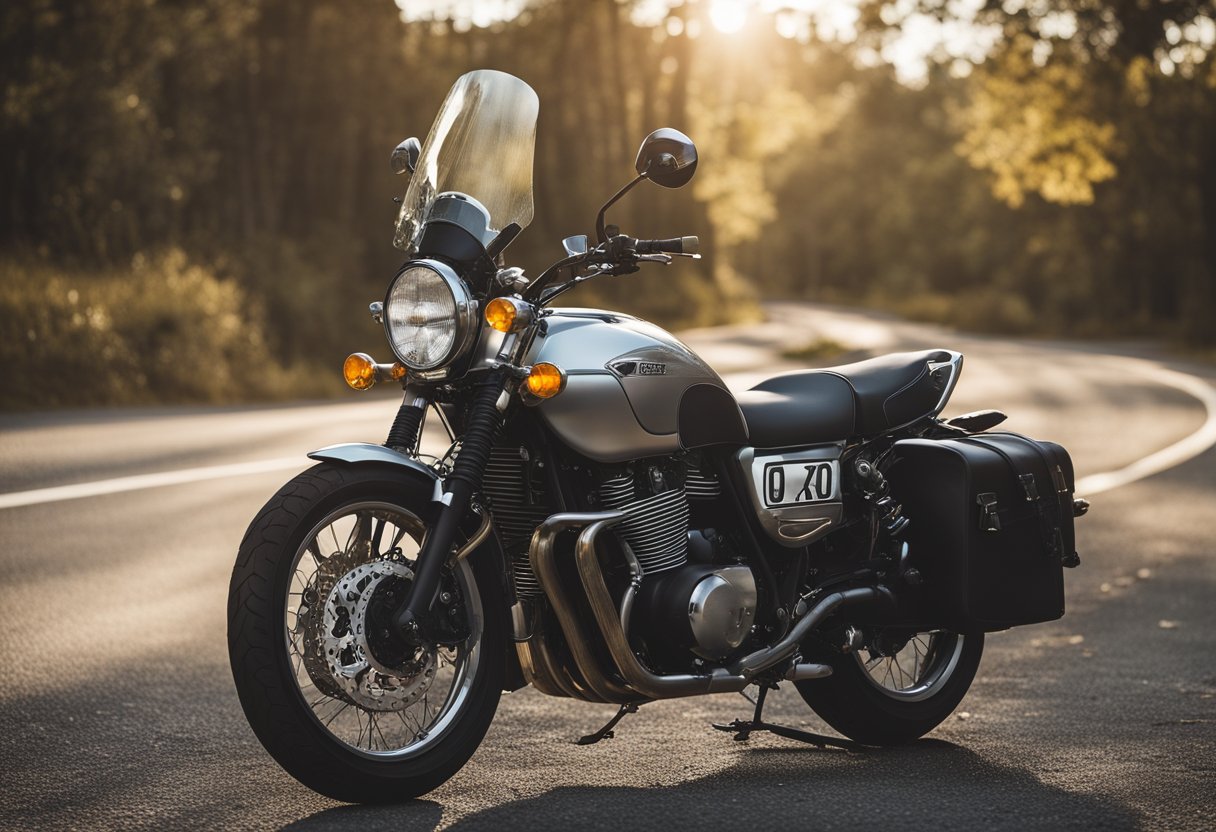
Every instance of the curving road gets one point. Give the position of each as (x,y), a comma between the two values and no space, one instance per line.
(117,709)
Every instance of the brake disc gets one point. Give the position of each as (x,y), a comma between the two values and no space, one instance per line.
(311,619)
(350,662)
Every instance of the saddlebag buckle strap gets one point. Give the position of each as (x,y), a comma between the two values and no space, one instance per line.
(989,521)
(1029,486)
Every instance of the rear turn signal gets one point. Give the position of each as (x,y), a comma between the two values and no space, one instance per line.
(545,380)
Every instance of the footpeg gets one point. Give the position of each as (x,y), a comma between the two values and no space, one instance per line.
(978,421)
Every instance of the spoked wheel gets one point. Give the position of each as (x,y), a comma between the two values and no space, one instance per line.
(899,687)
(916,670)
(339,700)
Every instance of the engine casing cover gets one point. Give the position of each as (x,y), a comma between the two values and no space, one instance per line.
(721,610)
(703,608)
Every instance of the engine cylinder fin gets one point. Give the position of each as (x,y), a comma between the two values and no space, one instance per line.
(700,485)
(515,517)
(656,527)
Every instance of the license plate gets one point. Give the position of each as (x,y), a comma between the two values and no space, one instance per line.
(796,482)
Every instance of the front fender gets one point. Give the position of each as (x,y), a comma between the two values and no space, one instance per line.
(362,452)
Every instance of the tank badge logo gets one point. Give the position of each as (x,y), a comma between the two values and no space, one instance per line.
(641,368)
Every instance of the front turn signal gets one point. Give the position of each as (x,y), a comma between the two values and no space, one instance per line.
(545,380)
(361,371)
(508,314)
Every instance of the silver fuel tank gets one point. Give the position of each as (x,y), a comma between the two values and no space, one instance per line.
(626,382)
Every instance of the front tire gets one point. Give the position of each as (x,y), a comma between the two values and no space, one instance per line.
(873,699)
(343,707)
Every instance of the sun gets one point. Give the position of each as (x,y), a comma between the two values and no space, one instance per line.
(728,16)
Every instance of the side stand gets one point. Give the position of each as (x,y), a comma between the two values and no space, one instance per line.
(743,729)
(606,733)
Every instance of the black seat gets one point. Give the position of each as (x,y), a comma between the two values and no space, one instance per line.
(862,399)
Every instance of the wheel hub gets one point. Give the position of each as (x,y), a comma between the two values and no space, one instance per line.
(371,666)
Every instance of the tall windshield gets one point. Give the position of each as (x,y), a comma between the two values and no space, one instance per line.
(481,145)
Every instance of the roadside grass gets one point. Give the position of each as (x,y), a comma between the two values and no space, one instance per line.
(163,331)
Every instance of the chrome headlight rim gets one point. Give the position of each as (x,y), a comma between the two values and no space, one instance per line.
(466,315)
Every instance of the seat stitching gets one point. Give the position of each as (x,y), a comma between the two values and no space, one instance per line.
(923,372)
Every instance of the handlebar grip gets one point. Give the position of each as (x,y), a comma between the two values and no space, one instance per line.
(675,245)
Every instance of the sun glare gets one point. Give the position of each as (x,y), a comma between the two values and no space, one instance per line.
(728,16)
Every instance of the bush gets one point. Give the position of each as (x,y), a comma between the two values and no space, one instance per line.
(166,330)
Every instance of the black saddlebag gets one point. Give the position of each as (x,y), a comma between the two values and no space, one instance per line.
(991,527)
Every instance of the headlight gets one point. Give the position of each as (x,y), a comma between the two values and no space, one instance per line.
(428,315)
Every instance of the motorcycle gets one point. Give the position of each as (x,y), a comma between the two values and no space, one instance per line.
(610,522)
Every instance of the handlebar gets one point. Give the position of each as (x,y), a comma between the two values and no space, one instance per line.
(621,253)
(674,245)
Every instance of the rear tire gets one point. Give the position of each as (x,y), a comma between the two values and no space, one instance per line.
(868,711)
(268,673)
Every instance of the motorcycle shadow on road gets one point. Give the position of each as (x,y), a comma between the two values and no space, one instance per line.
(926,784)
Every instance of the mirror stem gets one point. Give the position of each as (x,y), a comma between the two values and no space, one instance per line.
(600,234)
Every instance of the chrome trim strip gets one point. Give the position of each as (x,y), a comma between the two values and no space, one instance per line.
(956,370)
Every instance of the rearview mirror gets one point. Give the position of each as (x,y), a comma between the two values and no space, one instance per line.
(404,157)
(667,157)
(576,245)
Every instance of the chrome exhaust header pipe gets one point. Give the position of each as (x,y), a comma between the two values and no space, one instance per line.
(650,685)
(641,684)
(540,553)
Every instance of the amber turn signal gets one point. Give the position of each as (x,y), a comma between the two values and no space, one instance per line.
(545,380)
(500,314)
(508,314)
(359,370)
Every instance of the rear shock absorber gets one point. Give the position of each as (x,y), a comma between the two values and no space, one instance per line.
(889,520)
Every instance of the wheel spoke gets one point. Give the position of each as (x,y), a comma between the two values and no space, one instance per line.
(352,717)
(917,669)
(376,535)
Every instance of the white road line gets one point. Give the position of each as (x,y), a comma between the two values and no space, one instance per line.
(120,484)
(1176,454)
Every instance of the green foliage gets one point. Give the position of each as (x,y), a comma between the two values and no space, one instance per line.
(236,151)
(1027,125)
(164,330)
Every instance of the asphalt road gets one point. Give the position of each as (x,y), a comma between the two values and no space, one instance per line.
(117,708)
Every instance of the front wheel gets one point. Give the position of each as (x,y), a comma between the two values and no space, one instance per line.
(898,688)
(341,703)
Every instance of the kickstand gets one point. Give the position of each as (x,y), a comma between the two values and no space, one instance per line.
(743,729)
(606,733)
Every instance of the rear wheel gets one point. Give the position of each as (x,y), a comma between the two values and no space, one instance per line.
(899,687)
(343,704)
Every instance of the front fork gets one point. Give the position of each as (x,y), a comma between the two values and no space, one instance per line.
(483,420)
